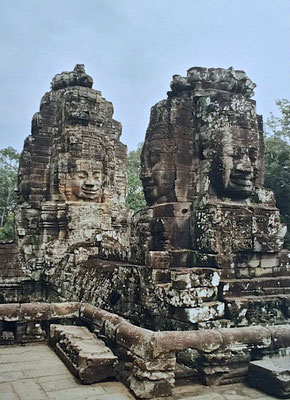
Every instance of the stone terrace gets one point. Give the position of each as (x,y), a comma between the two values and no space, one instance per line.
(34,372)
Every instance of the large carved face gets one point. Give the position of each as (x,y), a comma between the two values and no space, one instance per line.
(157,172)
(86,181)
(234,165)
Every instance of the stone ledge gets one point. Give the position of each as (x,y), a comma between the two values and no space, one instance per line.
(118,329)
(271,376)
(38,311)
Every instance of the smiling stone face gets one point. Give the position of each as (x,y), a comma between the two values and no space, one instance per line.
(157,173)
(86,181)
(234,162)
(170,153)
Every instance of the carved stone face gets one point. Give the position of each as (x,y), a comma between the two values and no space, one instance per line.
(86,181)
(157,173)
(234,165)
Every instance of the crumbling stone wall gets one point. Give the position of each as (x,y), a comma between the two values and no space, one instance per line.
(14,285)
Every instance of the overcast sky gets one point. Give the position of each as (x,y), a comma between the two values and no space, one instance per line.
(132,48)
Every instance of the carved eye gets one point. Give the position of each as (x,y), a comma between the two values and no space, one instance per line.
(97,174)
(82,174)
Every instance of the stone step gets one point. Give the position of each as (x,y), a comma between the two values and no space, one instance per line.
(272,309)
(255,286)
(84,354)
(207,311)
(191,258)
(271,376)
(258,299)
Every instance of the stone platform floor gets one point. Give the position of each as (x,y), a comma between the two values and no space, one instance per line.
(34,372)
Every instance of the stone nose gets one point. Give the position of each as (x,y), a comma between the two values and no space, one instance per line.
(244,164)
(90,181)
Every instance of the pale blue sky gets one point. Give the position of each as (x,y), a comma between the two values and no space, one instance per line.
(132,48)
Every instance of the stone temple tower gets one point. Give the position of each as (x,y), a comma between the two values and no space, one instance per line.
(72,178)
(211,234)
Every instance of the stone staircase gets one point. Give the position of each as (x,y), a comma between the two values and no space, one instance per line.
(83,353)
(257,300)
(200,295)
(256,286)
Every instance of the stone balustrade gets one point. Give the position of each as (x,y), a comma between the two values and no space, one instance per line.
(147,359)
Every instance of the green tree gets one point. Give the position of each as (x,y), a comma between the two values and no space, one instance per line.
(135,196)
(9,159)
(277,161)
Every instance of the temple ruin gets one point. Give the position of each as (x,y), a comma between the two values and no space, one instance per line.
(197,279)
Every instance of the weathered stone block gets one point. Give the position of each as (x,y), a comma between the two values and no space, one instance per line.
(191,258)
(10,312)
(137,340)
(147,389)
(237,339)
(205,312)
(189,297)
(247,310)
(271,376)
(158,364)
(280,335)
(66,309)
(195,278)
(181,279)
(36,311)
(84,354)
(158,259)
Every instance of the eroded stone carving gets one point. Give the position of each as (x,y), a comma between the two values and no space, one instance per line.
(204,253)
(84,182)
(72,180)
(202,173)
(169,154)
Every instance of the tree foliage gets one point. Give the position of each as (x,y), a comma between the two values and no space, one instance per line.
(135,196)
(277,161)
(9,159)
